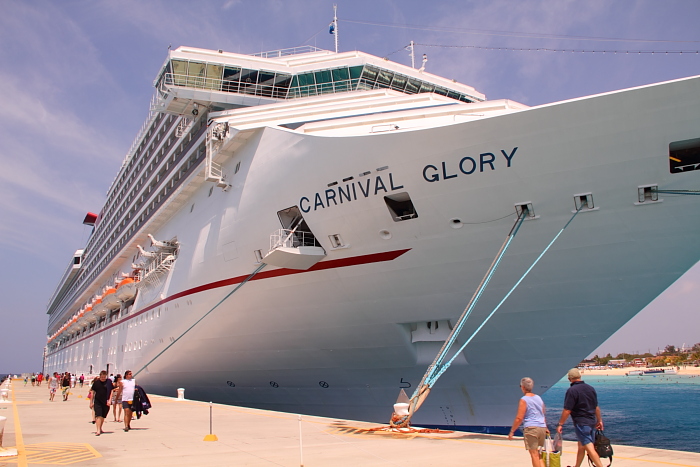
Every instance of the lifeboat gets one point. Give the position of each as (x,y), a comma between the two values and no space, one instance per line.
(126,290)
(89,312)
(98,307)
(82,319)
(110,300)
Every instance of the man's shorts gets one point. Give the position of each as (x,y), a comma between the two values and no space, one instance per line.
(585,434)
(127,405)
(101,410)
(534,437)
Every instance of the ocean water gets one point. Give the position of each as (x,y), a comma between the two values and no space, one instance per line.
(661,411)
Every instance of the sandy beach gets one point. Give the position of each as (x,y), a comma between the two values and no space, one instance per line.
(687,371)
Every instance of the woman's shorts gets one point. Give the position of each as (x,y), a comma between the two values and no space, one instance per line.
(534,437)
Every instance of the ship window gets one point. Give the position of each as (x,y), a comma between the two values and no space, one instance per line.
(249,76)
(412,86)
(306,79)
(195,75)
(214,76)
(684,156)
(341,74)
(355,72)
(399,83)
(323,76)
(384,78)
(425,87)
(370,74)
(400,207)
(179,72)
(231,78)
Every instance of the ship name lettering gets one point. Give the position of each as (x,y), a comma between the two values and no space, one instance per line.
(349,192)
(467,166)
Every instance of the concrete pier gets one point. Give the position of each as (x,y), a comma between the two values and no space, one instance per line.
(60,433)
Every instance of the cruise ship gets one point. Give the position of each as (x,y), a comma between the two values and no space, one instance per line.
(301,230)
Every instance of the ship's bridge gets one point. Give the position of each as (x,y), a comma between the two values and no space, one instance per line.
(219,80)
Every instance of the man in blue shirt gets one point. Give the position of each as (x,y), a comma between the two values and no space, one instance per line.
(581,402)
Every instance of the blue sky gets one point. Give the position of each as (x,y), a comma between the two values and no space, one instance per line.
(76,80)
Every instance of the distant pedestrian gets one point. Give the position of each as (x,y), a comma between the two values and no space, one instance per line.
(72,380)
(117,399)
(82,380)
(531,414)
(65,386)
(128,386)
(39,378)
(33,379)
(53,386)
(581,402)
(26,379)
(101,391)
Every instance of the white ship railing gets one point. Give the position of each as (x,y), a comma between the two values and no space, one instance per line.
(304,49)
(285,238)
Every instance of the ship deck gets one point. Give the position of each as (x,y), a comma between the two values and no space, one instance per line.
(54,433)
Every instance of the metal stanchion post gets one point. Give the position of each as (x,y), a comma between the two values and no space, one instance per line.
(301,449)
(210,436)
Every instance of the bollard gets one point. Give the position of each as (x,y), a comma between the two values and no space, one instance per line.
(181,394)
(5,452)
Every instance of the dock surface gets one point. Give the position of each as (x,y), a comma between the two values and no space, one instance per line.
(60,433)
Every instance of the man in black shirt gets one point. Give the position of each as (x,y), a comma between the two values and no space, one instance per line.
(581,402)
(101,392)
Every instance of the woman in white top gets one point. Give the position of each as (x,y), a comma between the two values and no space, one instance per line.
(128,386)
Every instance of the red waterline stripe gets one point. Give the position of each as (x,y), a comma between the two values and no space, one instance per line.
(331,264)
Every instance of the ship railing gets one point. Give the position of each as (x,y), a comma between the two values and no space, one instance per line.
(171,80)
(285,238)
(303,49)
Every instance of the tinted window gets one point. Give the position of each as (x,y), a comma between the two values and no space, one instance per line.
(341,74)
(355,72)
(384,77)
(323,76)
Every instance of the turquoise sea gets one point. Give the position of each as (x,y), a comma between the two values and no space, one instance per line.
(661,411)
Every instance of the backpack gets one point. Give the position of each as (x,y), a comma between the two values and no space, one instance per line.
(602,446)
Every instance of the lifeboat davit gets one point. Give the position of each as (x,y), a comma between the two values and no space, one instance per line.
(126,290)
(110,300)
(98,307)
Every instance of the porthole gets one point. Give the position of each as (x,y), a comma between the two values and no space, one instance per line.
(456,223)
(385,234)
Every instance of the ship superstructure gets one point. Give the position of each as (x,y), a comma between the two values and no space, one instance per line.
(324,217)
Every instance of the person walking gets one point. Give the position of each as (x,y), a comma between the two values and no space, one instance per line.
(581,402)
(531,414)
(117,399)
(101,391)
(128,387)
(53,386)
(82,380)
(65,386)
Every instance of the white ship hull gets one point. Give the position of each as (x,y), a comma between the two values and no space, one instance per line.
(343,337)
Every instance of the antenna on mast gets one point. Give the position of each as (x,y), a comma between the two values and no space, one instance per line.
(413,57)
(334,26)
